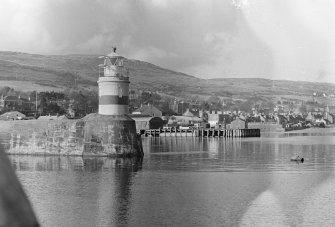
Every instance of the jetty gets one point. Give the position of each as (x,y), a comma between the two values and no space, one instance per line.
(225,133)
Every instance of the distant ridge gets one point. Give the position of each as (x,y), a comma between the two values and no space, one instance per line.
(25,72)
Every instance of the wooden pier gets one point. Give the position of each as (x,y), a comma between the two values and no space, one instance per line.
(202,132)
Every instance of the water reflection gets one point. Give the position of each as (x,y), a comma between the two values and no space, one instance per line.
(294,200)
(83,191)
(189,182)
(63,163)
(320,205)
(265,209)
(239,154)
(288,187)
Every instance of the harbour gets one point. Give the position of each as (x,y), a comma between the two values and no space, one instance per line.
(189,181)
(167,113)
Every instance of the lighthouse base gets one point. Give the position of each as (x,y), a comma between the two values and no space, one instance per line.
(93,135)
(107,135)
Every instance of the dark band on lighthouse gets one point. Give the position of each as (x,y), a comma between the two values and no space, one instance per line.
(114,100)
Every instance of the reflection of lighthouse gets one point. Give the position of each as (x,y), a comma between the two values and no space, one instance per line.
(113,86)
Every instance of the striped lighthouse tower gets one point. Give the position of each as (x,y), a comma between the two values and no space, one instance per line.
(113,85)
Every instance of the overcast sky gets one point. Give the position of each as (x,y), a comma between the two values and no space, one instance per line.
(275,39)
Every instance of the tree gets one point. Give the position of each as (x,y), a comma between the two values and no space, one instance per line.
(164,106)
(303,108)
(246,106)
(5,90)
(268,104)
(229,105)
(205,105)
(43,105)
(215,102)
(54,109)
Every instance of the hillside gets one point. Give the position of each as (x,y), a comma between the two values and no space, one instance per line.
(56,72)
(29,72)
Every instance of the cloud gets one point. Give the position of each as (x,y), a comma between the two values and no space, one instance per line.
(20,24)
(190,36)
(207,38)
(150,52)
(299,35)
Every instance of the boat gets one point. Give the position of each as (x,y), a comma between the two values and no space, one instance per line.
(297,158)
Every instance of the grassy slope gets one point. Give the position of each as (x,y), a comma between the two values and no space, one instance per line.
(57,72)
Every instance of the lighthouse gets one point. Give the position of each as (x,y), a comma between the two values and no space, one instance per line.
(113,85)
(111,132)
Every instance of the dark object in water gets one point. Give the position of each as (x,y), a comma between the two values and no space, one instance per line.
(297,158)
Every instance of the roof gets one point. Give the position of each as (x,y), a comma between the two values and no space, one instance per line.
(188,113)
(12,115)
(239,119)
(147,109)
(242,117)
(139,115)
(11,98)
(144,118)
(52,117)
(187,118)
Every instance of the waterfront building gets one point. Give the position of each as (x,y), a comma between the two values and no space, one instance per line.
(12,115)
(12,102)
(148,110)
(215,117)
(238,124)
(184,120)
(189,113)
(329,118)
(50,117)
(179,107)
(144,122)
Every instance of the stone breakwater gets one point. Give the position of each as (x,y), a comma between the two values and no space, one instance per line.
(93,135)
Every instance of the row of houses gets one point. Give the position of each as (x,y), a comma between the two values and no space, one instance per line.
(16,103)
(30,107)
(180,107)
(235,119)
(16,115)
(150,117)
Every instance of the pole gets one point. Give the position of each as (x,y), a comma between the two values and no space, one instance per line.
(36,104)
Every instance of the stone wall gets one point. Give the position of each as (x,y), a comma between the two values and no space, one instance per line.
(111,135)
(94,135)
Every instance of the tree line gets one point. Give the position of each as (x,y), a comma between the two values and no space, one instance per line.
(82,102)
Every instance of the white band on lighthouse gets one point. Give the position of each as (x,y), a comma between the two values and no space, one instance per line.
(113,86)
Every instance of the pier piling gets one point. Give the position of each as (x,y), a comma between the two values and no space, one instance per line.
(225,133)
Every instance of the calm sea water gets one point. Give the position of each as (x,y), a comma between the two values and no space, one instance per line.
(185,181)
